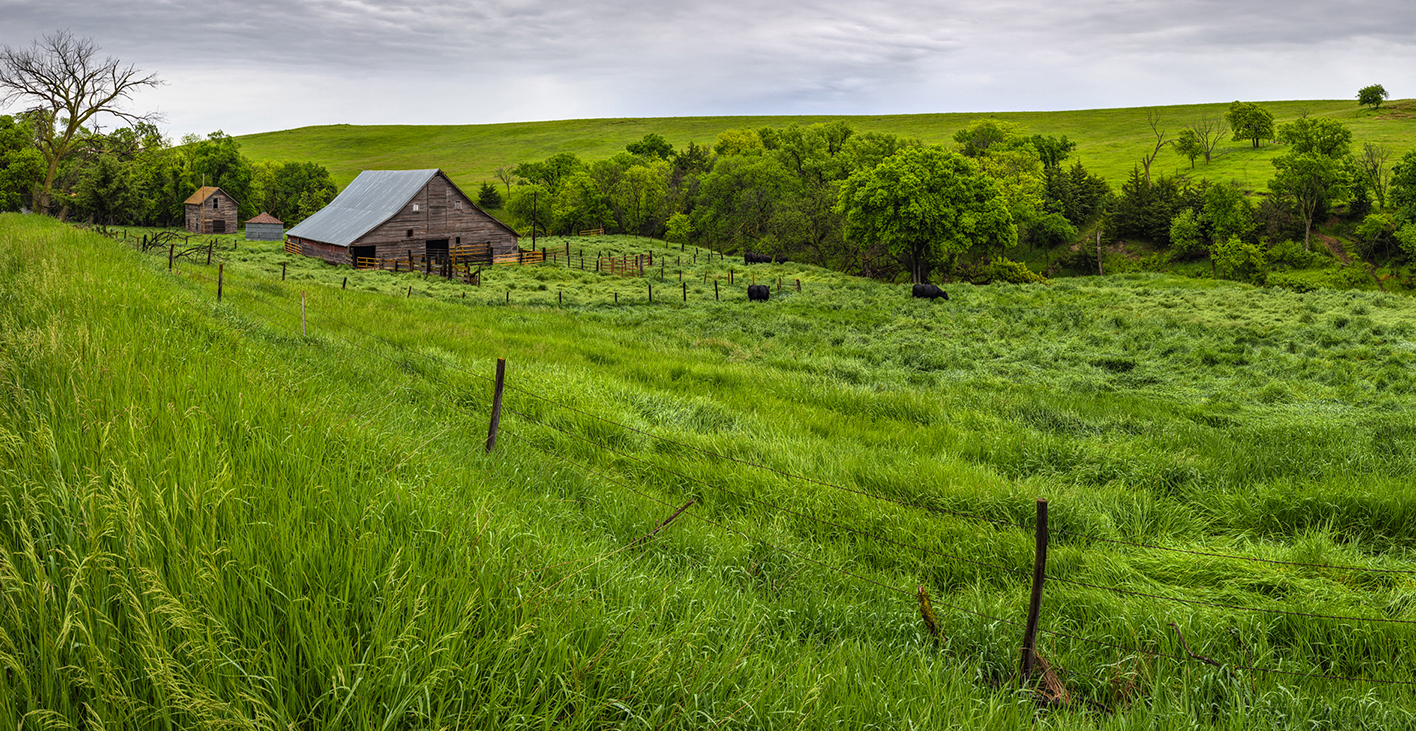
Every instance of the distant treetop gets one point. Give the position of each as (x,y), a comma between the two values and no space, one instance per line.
(1371,96)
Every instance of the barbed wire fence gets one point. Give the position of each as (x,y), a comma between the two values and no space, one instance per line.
(406,362)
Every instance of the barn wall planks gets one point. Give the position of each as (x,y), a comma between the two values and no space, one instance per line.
(443,213)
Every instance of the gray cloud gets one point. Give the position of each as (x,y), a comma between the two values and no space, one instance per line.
(256,65)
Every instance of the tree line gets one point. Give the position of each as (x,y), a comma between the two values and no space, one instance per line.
(823,193)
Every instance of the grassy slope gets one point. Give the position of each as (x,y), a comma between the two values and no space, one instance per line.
(1109,141)
(245,523)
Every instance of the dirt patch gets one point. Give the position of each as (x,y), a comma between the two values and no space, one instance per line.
(1335,247)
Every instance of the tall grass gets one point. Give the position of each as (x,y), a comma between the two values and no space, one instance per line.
(211,521)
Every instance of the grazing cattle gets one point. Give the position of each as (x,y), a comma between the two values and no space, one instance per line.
(930,291)
(751,258)
(781,259)
(757,292)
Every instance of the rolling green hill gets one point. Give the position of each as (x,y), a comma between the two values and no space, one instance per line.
(1109,141)
(277,511)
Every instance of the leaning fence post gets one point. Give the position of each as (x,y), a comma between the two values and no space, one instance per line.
(220,272)
(496,405)
(715,290)
(210,245)
(1035,603)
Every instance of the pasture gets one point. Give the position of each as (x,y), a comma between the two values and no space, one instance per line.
(213,520)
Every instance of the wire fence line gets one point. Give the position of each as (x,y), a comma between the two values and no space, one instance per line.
(856,576)
(860,492)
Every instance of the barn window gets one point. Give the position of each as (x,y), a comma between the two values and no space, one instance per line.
(459,239)
(459,205)
(415,207)
(410,233)
(213,204)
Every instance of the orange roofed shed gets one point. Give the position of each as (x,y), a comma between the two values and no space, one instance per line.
(211,210)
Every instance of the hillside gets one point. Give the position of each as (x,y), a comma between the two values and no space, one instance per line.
(1109,141)
(277,510)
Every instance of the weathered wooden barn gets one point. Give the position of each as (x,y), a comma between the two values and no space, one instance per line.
(265,227)
(390,214)
(211,210)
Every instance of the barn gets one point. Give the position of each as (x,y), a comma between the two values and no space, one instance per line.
(392,214)
(265,227)
(211,210)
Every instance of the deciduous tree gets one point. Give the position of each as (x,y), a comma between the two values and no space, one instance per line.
(1250,122)
(1316,135)
(925,205)
(1307,180)
(69,86)
(1371,96)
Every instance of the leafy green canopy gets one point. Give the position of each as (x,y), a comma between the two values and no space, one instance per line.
(1371,96)
(926,204)
(1250,122)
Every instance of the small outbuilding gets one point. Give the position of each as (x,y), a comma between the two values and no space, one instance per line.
(211,210)
(265,227)
(392,214)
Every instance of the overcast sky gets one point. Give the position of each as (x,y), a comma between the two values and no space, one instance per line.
(253,66)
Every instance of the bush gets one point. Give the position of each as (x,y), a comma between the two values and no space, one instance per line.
(1239,260)
(1291,283)
(1007,270)
(1290,254)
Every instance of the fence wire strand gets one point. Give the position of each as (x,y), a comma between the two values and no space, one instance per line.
(874,582)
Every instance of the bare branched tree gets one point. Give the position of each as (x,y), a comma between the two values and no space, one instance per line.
(1373,165)
(1153,119)
(1210,131)
(506,176)
(68,85)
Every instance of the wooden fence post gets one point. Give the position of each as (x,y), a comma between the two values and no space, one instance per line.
(651,294)
(346,284)
(210,246)
(282,271)
(496,405)
(798,285)
(171,250)
(559,300)
(1035,602)
(685,291)
(410,292)
(302,313)
(220,271)
(715,290)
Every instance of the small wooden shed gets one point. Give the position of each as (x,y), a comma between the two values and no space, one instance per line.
(265,227)
(211,210)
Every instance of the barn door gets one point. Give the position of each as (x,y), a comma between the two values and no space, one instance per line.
(218,226)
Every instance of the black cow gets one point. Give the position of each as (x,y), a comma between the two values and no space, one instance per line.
(781,259)
(757,292)
(751,258)
(929,291)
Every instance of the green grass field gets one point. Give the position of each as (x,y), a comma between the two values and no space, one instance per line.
(1109,141)
(212,520)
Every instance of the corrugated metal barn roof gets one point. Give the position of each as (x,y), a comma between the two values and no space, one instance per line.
(374,197)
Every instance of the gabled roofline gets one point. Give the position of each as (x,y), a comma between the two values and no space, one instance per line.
(472,201)
(211,190)
(435,173)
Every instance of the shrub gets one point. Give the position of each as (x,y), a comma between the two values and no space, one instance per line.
(1239,260)
(1007,270)
(1291,254)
